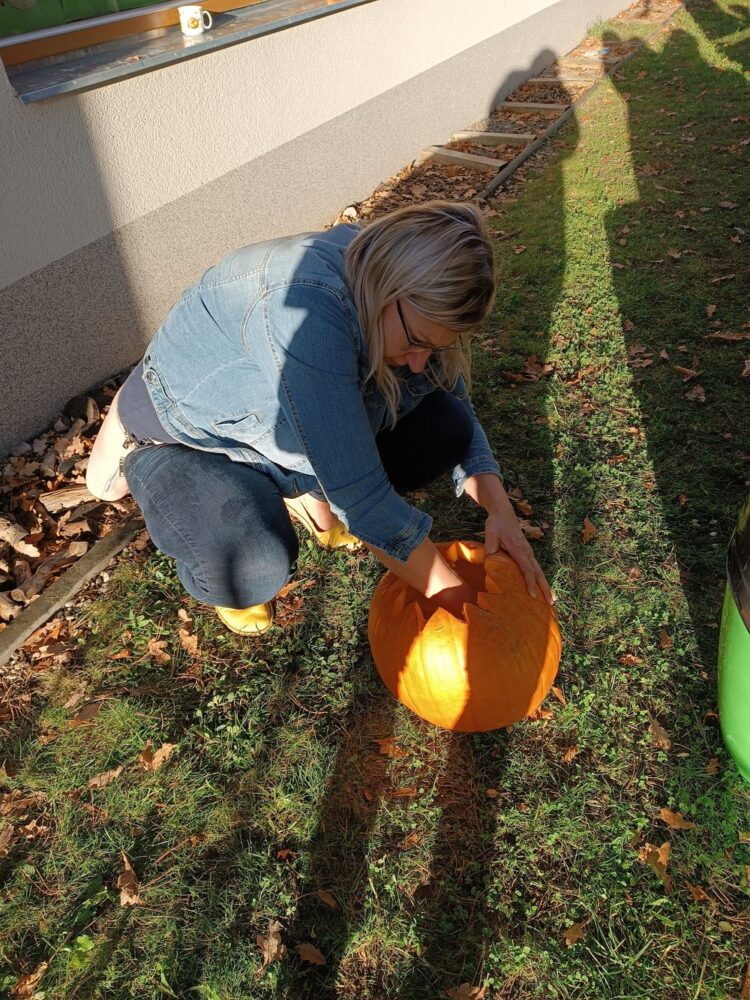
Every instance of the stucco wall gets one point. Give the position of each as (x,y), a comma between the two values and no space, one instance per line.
(114,200)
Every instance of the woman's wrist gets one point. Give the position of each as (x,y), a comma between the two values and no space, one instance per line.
(425,569)
(487,489)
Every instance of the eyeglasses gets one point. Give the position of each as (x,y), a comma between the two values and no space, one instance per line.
(421,346)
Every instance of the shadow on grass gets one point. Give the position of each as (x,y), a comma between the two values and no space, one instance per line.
(667,299)
(446,922)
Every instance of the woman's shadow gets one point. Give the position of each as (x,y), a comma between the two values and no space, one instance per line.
(694,436)
(447,922)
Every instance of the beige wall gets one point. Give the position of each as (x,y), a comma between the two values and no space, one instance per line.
(115,199)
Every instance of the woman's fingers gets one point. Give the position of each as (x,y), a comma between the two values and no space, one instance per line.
(518,548)
(491,541)
(547,591)
(521,552)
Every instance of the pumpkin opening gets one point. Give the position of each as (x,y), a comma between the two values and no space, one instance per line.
(470,571)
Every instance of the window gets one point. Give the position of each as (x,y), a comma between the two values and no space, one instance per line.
(35,29)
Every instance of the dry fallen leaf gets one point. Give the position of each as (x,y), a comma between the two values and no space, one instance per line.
(676,820)
(657,858)
(745,995)
(13,533)
(570,752)
(127,883)
(687,373)
(665,640)
(33,830)
(309,953)
(629,660)
(530,530)
(557,692)
(328,898)
(151,761)
(403,793)
(659,734)
(26,986)
(189,642)
(573,933)
(467,992)
(713,766)
(663,853)
(710,310)
(103,779)
(589,531)
(7,836)
(729,338)
(697,394)
(388,747)
(17,804)
(697,893)
(540,714)
(86,714)
(157,650)
(271,946)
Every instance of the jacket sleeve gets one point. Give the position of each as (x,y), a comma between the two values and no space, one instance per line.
(479,457)
(305,340)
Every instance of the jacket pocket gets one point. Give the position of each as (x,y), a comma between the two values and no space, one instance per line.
(246,428)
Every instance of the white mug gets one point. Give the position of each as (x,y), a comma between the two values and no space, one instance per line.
(194,20)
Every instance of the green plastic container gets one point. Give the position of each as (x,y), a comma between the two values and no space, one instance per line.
(734,648)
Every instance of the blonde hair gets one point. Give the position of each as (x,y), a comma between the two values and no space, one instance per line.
(438,257)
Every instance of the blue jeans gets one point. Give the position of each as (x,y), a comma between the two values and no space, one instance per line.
(225,523)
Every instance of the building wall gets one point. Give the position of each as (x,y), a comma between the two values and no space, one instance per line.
(116,199)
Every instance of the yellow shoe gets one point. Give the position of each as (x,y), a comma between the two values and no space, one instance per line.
(247,621)
(336,537)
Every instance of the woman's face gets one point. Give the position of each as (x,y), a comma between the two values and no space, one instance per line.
(404,324)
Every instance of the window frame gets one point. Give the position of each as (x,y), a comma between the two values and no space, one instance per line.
(18,50)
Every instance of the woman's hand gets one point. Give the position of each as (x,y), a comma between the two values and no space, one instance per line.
(453,599)
(502,530)
(428,573)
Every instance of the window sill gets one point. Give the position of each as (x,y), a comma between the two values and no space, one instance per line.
(130,56)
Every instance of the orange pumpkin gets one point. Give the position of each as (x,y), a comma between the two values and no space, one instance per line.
(475,675)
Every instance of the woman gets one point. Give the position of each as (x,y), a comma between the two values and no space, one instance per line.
(326,374)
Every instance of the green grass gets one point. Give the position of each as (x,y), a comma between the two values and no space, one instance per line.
(278,790)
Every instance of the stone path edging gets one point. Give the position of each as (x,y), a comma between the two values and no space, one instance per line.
(38,612)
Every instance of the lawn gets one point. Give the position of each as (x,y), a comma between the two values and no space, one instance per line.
(297,812)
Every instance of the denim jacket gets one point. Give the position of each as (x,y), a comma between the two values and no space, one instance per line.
(263,359)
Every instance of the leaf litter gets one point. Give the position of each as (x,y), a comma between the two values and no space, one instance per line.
(128,884)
